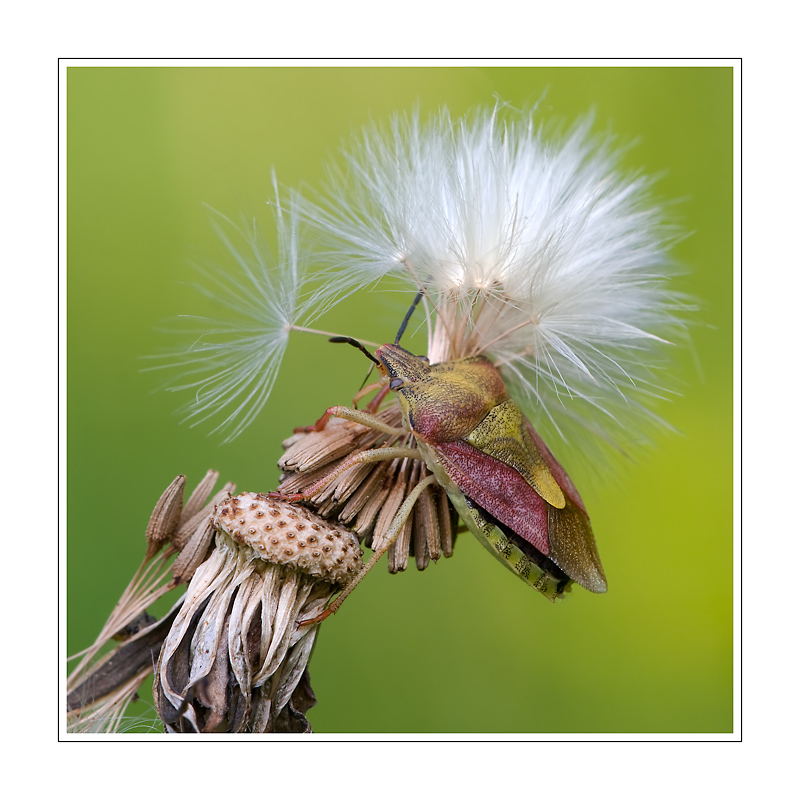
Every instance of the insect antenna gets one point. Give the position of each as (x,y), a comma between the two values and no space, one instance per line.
(355,343)
(410,311)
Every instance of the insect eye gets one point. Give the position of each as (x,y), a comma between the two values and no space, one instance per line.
(396,383)
(425,359)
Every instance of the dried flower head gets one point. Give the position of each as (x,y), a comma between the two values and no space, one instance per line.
(232,654)
(367,498)
(235,658)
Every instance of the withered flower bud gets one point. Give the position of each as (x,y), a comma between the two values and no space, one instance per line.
(166,516)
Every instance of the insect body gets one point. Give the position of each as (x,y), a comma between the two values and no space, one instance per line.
(505,484)
(502,480)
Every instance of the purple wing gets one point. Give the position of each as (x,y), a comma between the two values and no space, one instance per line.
(562,534)
(499,489)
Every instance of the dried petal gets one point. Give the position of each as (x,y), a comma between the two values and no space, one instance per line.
(199,496)
(194,552)
(397,494)
(190,523)
(427,545)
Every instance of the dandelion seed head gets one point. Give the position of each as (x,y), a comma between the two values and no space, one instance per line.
(533,246)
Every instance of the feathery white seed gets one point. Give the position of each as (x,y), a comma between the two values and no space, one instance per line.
(533,248)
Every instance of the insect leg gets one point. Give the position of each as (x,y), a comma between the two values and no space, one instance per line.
(364,457)
(354,415)
(376,401)
(370,388)
(399,520)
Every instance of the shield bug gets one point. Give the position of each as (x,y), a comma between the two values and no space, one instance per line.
(501,478)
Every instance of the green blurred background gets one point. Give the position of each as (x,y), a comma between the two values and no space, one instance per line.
(463,646)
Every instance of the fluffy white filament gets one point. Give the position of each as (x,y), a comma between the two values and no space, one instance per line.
(233,359)
(533,249)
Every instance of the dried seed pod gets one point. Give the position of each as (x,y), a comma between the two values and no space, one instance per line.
(165,517)
(193,552)
(199,496)
(235,658)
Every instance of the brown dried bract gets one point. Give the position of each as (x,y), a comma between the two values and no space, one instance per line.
(366,497)
(101,687)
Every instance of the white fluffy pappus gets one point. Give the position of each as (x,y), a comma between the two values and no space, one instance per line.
(232,360)
(531,247)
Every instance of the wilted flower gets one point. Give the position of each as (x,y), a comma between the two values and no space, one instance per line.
(232,654)
(235,658)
